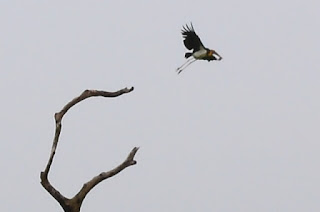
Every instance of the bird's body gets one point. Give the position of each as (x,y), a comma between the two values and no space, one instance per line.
(200,52)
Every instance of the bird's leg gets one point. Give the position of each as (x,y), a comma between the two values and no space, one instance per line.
(188,60)
(181,69)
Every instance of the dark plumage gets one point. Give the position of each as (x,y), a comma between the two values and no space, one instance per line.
(193,42)
(191,39)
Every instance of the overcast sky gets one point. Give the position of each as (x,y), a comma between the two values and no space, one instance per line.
(241,134)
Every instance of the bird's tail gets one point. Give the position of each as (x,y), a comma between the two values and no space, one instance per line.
(188,54)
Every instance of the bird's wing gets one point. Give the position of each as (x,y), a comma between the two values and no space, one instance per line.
(191,39)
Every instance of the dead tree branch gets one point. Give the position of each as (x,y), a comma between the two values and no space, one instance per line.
(74,204)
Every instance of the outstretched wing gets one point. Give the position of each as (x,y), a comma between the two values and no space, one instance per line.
(191,39)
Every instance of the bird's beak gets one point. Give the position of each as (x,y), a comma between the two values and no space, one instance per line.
(216,53)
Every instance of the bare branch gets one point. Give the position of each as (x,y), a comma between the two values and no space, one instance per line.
(87,94)
(74,204)
(104,175)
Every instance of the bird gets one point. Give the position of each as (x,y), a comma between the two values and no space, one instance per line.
(200,52)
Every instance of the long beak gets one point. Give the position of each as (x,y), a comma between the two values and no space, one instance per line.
(216,53)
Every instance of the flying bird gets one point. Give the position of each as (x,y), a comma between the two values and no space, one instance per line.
(200,52)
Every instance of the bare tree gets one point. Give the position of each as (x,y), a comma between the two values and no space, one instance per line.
(74,204)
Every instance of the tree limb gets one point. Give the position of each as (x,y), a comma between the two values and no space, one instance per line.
(74,204)
(104,175)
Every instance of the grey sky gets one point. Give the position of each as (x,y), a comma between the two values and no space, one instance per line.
(241,134)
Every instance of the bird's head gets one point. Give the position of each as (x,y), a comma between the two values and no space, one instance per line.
(214,55)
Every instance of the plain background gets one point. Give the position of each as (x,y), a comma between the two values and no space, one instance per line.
(241,134)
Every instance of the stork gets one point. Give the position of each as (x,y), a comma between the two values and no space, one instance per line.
(200,52)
